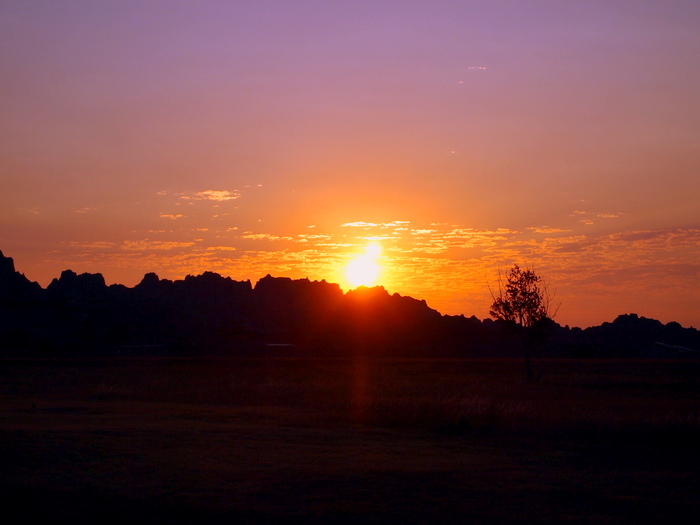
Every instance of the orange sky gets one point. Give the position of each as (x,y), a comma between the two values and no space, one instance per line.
(275,137)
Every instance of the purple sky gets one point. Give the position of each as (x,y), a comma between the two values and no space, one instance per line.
(282,137)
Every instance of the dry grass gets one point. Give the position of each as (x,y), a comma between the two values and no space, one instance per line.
(330,440)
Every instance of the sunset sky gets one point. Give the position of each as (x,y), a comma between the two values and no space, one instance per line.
(453,138)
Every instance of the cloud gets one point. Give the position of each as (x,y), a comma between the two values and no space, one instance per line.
(265,236)
(93,245)
(447,264)
(641,236)
(547,229)
(359,224)
(589,218)
(87,209)
(154,245)
(314,238)
(209,195)
(218,195)
(383,225)
(376,237)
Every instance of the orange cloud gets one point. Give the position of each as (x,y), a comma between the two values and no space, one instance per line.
(218,195)
(154,245)
(448,265)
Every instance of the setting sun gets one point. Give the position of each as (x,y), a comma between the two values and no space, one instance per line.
(364,269)
(456,164)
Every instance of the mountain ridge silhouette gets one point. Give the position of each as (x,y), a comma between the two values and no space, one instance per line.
(207,314)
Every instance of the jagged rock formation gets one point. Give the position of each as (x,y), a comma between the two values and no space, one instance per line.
(14,286)
(211,314)
(634,336)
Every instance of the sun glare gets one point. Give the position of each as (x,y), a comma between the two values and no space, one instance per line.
(364,269)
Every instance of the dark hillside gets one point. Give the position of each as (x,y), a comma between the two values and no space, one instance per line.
(213,315)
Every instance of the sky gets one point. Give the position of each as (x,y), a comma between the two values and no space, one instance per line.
(439,142)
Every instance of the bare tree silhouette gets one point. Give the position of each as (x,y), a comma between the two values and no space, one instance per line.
(524,302)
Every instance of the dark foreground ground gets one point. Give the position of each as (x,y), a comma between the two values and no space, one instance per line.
(349,441)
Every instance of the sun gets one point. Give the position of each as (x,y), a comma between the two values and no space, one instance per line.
(364,269)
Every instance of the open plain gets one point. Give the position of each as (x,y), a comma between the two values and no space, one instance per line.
(169,440)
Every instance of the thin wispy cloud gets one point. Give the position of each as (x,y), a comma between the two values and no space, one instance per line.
(207,195)
(148,245)
(440,261)
(590,218)
(217,195)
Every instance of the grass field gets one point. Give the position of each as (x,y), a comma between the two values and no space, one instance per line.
(164,440)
